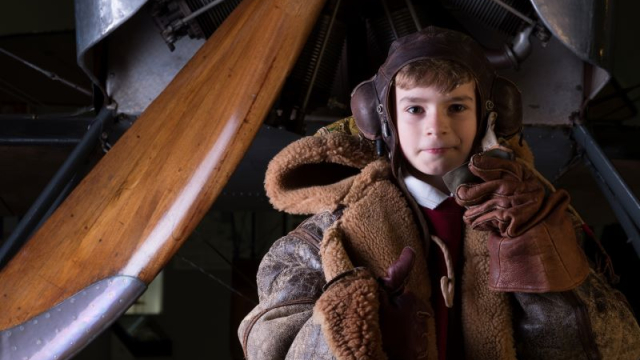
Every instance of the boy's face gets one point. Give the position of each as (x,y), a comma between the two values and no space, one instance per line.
(436,131)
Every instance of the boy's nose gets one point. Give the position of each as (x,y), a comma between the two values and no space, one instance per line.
(436,124)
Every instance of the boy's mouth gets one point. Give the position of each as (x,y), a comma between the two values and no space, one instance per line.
(437,150)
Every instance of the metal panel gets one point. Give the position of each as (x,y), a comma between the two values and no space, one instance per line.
(65,329)
(582,25)
(141,65)
(551,82)
(95,19)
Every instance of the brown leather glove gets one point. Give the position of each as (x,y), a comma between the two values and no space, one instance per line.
(533,246)
(403,316)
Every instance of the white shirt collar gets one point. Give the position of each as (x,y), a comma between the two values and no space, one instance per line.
(425,195)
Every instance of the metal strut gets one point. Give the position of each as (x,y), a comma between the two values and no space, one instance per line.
(52,194)
(622,200)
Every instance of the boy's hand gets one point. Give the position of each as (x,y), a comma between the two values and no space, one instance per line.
(403,316)
(532,245)
(508,199)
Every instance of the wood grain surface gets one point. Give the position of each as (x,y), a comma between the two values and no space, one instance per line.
(144,198)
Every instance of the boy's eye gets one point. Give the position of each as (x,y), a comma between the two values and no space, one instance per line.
(415,110)
(456,108)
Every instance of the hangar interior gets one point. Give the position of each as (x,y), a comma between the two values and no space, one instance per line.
(60,63)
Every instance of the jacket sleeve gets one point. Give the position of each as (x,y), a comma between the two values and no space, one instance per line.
(290,280)
(591,321)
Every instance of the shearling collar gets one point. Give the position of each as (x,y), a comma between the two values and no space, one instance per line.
(317,173)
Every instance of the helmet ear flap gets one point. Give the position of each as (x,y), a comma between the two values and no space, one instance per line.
(364,103)
(507,102)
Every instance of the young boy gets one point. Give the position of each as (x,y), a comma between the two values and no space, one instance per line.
(387,268)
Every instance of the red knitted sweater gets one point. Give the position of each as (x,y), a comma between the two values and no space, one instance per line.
(445,221)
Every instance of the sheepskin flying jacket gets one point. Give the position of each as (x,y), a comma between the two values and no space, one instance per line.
(361,221)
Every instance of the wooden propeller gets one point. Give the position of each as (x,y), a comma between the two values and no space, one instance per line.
(144,198)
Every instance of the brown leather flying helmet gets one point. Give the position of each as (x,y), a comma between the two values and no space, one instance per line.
(370,99)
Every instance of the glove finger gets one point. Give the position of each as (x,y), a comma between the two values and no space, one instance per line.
(523,213)
(491,168)
(485,217)
(474,194)
(496,205)
(508,216)
(398,272)
(494,220)
(516,203)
